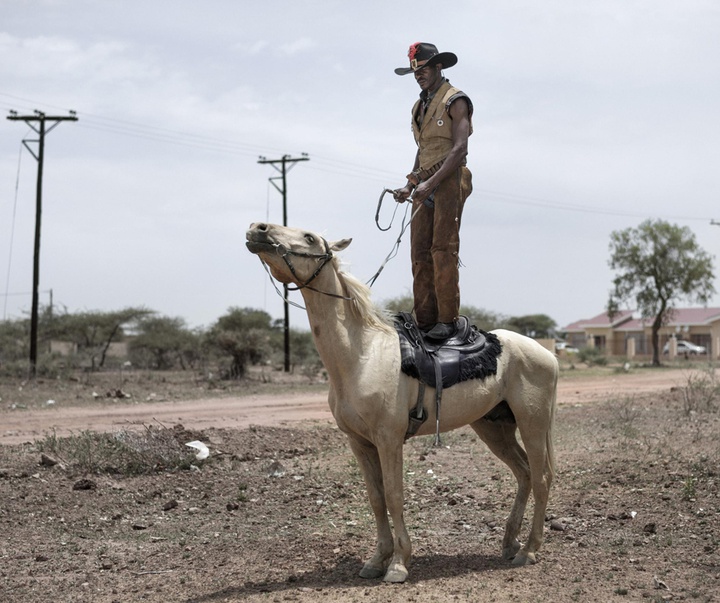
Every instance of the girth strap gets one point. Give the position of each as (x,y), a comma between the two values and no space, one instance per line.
(438,397)
(417,415)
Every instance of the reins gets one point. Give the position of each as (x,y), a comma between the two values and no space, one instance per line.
(403,227)
(285,253)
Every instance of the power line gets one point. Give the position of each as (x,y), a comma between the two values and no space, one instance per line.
(320,163)
(548,204)
(12,231)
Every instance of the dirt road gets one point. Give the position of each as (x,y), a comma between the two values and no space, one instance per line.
(17,426)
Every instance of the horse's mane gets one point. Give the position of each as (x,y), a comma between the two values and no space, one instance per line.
(361,304)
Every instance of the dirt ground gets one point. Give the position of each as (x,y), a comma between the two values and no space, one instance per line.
(278,511)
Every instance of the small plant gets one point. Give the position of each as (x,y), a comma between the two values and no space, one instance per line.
(701,392)
(689,490)
(627,410)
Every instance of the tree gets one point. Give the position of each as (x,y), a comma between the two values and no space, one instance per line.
(659,264)
(483,319)
(166,341)
(533,325)
(245,335)
(93,332)
(395,305)
(14,344)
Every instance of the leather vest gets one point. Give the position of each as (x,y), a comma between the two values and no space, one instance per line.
(434,135)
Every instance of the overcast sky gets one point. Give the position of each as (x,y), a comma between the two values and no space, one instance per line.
(590,117)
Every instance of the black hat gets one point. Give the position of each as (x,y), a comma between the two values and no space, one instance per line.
(422,54)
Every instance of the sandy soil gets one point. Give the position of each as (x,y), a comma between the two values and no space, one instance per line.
(270,410)
(278,512)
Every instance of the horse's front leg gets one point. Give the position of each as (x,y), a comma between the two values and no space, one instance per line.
(391,459)
(369,461)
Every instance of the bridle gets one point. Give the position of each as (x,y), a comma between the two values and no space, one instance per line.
(286,253)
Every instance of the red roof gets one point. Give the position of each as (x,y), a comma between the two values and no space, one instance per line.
(624,320)
(601,320)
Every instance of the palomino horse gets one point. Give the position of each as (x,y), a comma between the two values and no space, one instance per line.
(371,399)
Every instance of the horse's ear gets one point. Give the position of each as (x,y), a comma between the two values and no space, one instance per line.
(340,245)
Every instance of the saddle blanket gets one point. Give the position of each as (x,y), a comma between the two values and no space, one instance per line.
(469,354)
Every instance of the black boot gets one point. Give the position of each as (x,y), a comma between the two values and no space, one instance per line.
(441,331)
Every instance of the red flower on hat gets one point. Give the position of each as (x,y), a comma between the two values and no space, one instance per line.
(413,50)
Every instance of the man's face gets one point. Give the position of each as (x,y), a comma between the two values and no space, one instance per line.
(428,78)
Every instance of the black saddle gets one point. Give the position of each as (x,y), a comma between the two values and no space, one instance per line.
(469,354)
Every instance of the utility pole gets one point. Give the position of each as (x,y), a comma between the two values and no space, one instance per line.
(286,163)
(38,122)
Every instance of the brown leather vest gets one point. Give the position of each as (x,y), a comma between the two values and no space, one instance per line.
(434,135)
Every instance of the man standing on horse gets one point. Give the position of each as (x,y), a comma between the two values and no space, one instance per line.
(440,181)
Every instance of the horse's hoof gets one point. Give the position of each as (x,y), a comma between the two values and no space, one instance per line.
(509,552)
(523,558)
(396,574)
(370,572)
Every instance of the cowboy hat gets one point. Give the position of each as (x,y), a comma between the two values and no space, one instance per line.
(422,54)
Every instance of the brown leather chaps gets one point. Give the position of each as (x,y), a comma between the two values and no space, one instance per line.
(435,248)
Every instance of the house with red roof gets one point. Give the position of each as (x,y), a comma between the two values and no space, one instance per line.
(628,334)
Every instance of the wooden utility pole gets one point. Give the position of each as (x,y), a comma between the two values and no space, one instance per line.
(286,163)
(38,122)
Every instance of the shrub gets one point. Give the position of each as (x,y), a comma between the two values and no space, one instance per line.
(592,356)
(125,452)
(701,392)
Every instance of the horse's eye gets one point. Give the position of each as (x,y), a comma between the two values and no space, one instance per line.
(309,238)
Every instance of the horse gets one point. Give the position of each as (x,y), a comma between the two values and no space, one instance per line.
(370,398)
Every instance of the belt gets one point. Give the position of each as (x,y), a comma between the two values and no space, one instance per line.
(419,175)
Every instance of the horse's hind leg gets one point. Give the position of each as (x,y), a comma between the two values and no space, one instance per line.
(500,439)
(537,444)
(369,461)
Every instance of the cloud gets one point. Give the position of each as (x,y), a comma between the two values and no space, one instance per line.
(254,49)
(298,46)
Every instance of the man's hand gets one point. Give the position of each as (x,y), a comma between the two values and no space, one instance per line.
(423,191)
(402,194)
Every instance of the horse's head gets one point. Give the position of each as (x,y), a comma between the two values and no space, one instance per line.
(293,255)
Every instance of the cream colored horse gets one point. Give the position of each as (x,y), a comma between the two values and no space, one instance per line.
(371,399)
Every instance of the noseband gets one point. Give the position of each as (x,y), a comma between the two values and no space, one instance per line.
(285,253)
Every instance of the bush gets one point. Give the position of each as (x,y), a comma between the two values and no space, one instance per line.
(701,392)
(592,357)
(124,452)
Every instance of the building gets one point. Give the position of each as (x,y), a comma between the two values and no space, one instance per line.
(627,334)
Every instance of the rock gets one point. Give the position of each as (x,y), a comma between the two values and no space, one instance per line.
(169,505)
(47,461)
(275,469)
(85,484)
